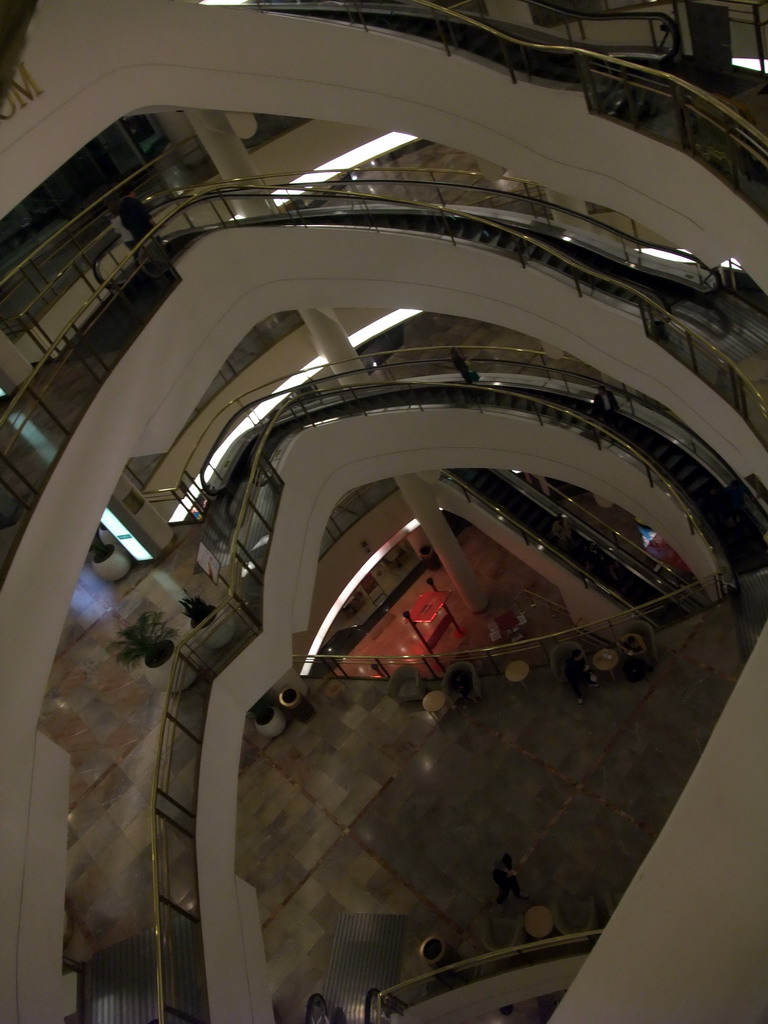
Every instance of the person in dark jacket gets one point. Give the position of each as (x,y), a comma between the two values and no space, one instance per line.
(604,405)
(578,673)
(505,876)
(135,217)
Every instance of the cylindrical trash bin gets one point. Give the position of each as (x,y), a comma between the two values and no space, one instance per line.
(295,702)
(429,557)
(435,952)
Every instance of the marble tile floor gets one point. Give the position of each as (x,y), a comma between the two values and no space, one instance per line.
(332,811)
(106,717)
(369,807)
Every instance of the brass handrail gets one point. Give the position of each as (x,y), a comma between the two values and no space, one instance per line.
(382,175)
(554,551)
(395,992)
(513,648)
(706,98)
(188,660)
(642,298)
(504,355)
(14,418)
(60,235)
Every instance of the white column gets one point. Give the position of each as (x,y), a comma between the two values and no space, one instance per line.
(228,154)
(331,341)
(420,497)
(230,157)
(176,126)
(14,368)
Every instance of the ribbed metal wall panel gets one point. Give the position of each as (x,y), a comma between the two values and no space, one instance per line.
(120,983)
(366,953)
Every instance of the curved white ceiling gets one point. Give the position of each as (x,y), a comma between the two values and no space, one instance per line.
(97,61)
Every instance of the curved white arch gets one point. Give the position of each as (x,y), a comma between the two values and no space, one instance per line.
(318,467)
(96,62)
(232,279)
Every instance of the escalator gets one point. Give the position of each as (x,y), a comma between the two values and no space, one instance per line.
(645,35)
(587,550)
(598,265)
(741,536)
(305,410)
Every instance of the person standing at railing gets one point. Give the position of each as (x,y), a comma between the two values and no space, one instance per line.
(468,375)
(135,217)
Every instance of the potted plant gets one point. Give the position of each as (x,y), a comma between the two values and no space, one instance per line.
(268,719)
(197,610)
(148,639)
(108,561)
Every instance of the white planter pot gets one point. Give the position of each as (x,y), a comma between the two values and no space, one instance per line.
(219,636)
(274,726)
(113,568)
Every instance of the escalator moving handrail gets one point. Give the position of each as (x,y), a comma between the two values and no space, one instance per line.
(670,29)
(309,188)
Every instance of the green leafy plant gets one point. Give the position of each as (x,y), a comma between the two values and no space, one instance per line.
(147,639)
(196,609)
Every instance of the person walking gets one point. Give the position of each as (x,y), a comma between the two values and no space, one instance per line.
(562,534)
(468,375)
(605,406)
(505,876)
(135,217)
(578,673)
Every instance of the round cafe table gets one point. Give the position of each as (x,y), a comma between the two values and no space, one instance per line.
(516,671)
(538,922)
(435,702)
(606,660)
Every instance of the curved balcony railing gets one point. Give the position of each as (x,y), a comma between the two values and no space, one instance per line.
(94,338)
(647,35)
(646,99)
(201,656)
(511,366)
(522,199)
(401,997)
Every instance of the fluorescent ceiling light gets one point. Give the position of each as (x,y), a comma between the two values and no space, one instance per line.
(368,151)
(731,262)
(384,323)
(222,3)
(662,254)
(124,535)
(747,62)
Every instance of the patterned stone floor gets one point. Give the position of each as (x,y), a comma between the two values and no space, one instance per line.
(105,716)
(369,808)
(325,809)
